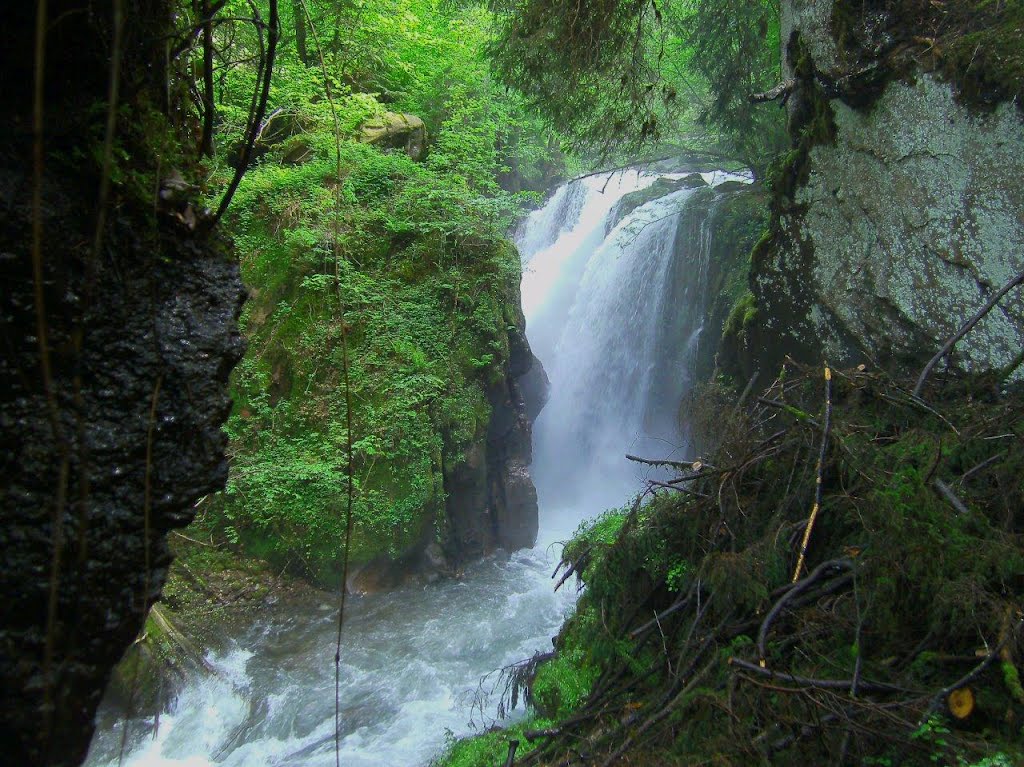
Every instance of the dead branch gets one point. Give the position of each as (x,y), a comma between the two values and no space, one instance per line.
(840,565)
(511,758)
(823,684)
(965,329)
(678,605)
(820,470)
(685,465)
(947,492)
(676,487)
(966,679)
(984,464)
(780,91)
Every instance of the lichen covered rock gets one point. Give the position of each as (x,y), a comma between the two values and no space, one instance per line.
(899,211)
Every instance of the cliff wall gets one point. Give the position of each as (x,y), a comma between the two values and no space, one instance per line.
(119,328)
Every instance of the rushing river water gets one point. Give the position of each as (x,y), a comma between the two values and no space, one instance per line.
(413,659)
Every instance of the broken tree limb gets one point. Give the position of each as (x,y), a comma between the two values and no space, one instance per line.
(840,565)
(687,465)
(782,90)
(947,492)
(678,605)
(511,758)
(676,487)
(821,684)
(965,329)
(965,680)
(818,480)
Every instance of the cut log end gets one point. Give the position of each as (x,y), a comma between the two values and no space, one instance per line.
(961,702)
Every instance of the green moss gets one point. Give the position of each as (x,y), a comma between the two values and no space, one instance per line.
(427,313)
(1011,678)
(743,313)
(491,748)
(978,45)
(987,62)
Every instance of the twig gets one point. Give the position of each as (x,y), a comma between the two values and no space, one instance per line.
(857,666)
(243,165)
(798,414)
(818,481)
(676,487)
(678,605)
(965,329)
(193,540)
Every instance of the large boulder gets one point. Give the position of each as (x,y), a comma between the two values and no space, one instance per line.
(394,130)
(899,211)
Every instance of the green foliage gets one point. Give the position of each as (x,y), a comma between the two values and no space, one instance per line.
(564,682)
(354,252)
(613,71)
(490,748)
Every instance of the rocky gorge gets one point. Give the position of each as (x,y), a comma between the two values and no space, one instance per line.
(387,362)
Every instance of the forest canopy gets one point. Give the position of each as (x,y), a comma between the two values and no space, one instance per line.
(636,72)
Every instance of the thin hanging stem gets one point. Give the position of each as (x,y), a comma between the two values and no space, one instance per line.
(350,484)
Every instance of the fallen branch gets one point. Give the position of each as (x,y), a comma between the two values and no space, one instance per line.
(965,329)
(782,90)
(947,492)
(966,679)
(799,587)
(193,540)
(821,684)
(818,482)
(511,758)
(677,488)
(678,605)
(687,465)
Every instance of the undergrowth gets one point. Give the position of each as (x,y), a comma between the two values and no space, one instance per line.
(697,643)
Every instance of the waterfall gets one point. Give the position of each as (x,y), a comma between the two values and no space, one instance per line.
(614,309)
(614,300)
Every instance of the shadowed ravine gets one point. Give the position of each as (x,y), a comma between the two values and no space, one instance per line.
(615,341)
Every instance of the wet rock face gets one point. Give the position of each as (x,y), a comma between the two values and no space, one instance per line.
(112,435)
(904,225)
(138,407)
(492,502)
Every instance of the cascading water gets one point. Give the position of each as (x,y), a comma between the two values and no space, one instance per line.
(614,308)
(606,312)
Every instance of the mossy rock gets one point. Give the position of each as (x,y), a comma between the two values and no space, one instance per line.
(662,187)
(394,130)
